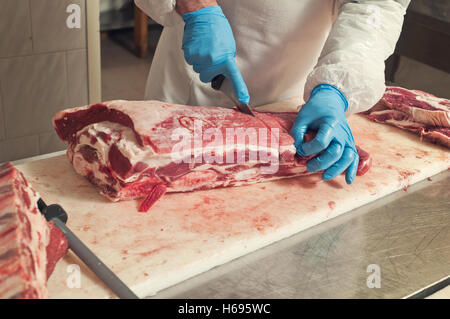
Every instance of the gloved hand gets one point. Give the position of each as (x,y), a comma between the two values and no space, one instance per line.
(209,46)
(325,113)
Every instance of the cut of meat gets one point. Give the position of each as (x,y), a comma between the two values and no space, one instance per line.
(29,246)
(421,106)
(414,111)
(143,149)
(365,161)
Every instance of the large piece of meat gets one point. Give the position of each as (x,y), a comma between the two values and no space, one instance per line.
(422,113)
(143,149)
(29,245)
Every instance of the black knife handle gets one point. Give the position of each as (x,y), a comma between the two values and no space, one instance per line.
(216,83)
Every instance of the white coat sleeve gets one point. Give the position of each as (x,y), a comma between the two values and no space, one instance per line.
(363,36)
(161,11)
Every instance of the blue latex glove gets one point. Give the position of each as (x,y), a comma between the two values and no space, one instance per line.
(325,113)
(209,46)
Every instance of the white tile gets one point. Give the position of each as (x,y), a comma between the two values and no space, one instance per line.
(50,142)
(49,26)
(15,28)
(18,148)
(77,77)
(34,88)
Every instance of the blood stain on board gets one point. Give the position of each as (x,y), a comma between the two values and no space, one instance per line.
(226,221)
(332,204)
(153,251)
(404,175)
(150,252)
(205,200)
(197,206)
(262,222)
(420,153)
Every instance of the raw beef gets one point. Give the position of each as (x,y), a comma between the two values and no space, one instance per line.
(144,149)
(415,111)
(29,246)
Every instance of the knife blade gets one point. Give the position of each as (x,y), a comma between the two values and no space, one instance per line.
(220,83)
(59,217)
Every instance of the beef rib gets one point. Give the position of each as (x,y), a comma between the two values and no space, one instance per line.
(29,245)
(422,113)
(132,149)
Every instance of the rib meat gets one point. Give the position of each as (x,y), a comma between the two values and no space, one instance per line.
(143,149)
(29,246)
(422,113)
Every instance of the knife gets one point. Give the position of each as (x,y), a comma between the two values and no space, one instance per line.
(220,83)
(58,216)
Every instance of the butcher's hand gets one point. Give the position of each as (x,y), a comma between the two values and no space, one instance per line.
(209,46)
(325,113)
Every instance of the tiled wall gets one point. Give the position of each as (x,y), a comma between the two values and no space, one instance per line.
(43,69)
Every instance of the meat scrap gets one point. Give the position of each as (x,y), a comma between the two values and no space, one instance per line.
(132,149)
(30,246)
(412,110)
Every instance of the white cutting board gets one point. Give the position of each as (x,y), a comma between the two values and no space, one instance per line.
(188,233)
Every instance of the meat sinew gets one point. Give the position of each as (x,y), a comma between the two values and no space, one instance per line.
(422,113)
(29,246)
(144,149)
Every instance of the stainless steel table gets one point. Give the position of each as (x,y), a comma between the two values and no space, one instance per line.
(407,234)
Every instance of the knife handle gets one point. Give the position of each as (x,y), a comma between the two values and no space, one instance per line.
(216,83)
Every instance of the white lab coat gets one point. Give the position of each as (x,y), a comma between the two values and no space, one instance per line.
(284,49)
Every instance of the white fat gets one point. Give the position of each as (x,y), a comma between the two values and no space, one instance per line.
(433,101)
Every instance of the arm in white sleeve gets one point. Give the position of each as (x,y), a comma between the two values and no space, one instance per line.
(363,36)
(162,11)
